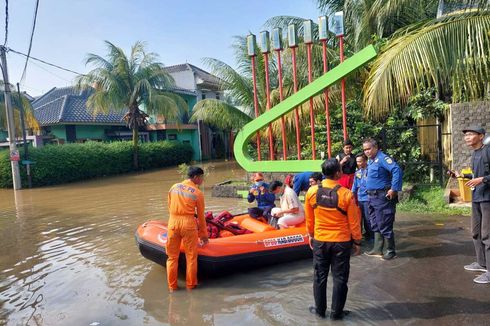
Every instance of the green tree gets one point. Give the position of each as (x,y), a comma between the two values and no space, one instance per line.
(17,102)
(450,53)
(136,84)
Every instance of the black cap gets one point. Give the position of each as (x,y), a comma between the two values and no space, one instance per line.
(478,130)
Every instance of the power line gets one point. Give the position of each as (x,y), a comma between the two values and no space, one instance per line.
(6,22)
(50,72)
(30,43)
(45,62)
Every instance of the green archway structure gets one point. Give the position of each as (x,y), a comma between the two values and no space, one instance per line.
(243,137)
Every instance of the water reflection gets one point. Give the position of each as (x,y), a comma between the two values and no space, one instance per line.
(70,249)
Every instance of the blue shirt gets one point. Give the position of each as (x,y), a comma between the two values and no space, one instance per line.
(359,186)
(264,200)
(301,182)
(383,173)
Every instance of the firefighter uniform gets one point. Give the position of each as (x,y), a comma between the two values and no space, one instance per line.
(185,200)
(333,230)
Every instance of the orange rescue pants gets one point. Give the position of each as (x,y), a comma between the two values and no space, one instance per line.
(182,229)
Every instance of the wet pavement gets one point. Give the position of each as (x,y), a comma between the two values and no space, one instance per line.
(68,256)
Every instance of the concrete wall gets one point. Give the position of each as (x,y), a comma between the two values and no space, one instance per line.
(464,115)
(184,79)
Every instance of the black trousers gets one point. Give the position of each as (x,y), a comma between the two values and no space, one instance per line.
(334,256)
(480,231)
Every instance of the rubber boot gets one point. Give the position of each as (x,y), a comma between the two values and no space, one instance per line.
(378,246)
(390,250)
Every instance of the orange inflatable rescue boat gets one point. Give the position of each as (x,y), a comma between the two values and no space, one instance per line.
(264,245)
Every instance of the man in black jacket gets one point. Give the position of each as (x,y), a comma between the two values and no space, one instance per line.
(480,184)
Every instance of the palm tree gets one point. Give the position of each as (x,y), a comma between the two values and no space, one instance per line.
(137,85)
(450,52)
(17,102)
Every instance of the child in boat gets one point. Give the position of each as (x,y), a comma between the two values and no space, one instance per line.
(260,192)
(291,212)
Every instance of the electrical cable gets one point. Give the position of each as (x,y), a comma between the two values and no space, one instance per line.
(22,79)
(45,62)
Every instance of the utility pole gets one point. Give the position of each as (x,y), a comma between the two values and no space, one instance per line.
(14,154)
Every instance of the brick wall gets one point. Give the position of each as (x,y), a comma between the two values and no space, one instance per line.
(464,115)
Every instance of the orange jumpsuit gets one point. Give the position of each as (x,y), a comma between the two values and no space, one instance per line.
(331,225)
(184,201)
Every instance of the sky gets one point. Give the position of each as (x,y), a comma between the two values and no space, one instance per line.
(178,31)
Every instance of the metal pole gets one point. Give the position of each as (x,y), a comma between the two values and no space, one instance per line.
(281,97)
(268,103)
(24,138)
(344,109)
(256,105)
(312,114)
(10,121)
(296,111)
(439,153)
(325,92)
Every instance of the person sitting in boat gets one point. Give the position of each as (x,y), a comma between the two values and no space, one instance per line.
(291,212)
(260,192)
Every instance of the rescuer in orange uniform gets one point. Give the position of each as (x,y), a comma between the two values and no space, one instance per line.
(333,223)
(185,201)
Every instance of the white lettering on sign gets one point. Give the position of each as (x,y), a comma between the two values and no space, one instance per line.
(281,241)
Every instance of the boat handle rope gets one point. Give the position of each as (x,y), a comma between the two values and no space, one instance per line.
(255,242)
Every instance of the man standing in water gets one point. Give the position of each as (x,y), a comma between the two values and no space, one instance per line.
(480,209)
(333,223)
(185,201)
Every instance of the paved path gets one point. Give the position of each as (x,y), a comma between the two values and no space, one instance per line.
(426,284)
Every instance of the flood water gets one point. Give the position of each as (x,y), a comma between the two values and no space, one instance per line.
(68,256)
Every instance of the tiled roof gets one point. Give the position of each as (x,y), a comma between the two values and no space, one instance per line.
(205,76)
(54,94)
(68,105)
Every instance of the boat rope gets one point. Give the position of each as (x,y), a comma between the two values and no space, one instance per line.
(257,241)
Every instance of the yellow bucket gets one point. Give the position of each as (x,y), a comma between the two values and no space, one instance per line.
(465,191)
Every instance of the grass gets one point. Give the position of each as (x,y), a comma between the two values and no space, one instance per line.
(430,199)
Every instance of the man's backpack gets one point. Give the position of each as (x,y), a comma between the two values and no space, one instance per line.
(328,198)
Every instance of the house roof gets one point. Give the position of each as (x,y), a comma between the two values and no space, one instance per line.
(68,105)
(203,77)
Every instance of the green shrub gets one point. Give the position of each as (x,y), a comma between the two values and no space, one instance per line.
(73,162)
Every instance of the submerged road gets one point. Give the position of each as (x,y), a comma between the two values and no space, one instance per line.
(68,256)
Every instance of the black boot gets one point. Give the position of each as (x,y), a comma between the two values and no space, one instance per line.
(390,250)
(378,245)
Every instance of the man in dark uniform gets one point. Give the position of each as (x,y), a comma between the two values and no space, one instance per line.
(480,183)
(384,181)
(348,162)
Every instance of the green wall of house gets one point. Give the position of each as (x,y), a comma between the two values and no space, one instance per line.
(190,136)
(91,132)
(3,135)
(58,131)
(190,99)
